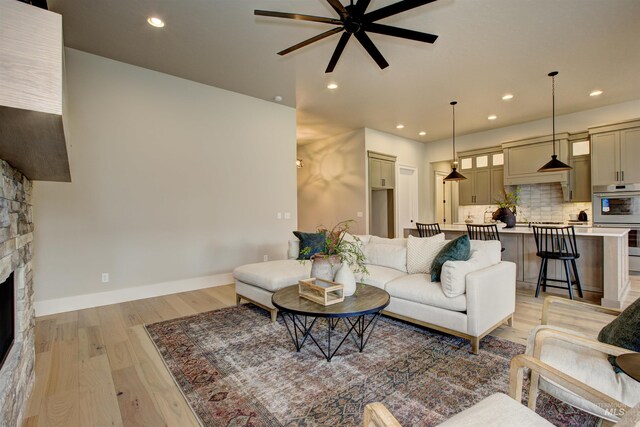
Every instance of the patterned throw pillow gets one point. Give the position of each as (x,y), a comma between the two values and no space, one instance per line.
(315,241)
(421,251)
(456,250)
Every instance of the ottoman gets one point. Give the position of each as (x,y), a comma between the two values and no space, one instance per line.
(257,282)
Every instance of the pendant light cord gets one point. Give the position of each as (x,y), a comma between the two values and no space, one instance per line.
(453,106)
(553,75)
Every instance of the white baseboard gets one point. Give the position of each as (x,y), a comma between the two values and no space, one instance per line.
(79,302)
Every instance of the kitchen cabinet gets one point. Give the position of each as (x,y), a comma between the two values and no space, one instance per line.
(382,173)
(614,150)
(579,188)
(523,158)
(484,172)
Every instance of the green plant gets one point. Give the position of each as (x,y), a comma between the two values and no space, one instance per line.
(347,249)
(509,199)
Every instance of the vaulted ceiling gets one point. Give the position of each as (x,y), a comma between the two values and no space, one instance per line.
(485,49)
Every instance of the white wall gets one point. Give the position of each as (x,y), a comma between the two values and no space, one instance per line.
(331,185)
(408,152)
(575,122)
(171,180)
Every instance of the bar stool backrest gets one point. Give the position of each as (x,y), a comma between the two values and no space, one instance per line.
(428,230)
(483,232)
(557,241)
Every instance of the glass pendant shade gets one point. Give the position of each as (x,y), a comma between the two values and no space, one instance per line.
(454,175)
(554,165)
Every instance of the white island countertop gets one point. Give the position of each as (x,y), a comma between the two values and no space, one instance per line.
(525,229)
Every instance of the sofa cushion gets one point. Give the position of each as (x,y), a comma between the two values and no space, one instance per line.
(379,276)
(419,288)
(490,249)
(458,249)
(316,242)
(453,276)
(398,242)
(421,251)
(392,256)
(273,275)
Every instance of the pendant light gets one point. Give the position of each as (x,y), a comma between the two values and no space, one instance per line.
(454,175)
(554,165)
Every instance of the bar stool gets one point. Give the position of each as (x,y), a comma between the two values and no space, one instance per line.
(483,232)
(557,243)
(428,230)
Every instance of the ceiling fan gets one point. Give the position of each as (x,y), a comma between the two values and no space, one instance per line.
(354,20)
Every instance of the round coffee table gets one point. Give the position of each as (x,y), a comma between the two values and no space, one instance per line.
(353,311)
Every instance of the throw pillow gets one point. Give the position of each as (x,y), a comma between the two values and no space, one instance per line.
(623,330)
(489,249)
(398,241)
(314,241)
(392,256)
(453,277)
(456,250)
(421,251)
(293,252)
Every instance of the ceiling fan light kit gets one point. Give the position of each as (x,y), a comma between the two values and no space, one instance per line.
(355,21)
(554,165)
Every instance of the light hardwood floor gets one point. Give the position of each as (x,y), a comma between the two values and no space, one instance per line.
(97,367)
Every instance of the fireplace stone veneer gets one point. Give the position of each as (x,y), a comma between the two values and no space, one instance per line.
(16,236)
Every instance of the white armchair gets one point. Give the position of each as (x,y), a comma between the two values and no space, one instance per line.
(586,361)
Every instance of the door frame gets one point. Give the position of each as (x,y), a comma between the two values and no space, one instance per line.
(454,197)
(416,179)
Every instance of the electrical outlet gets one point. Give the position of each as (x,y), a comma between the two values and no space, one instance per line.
(105,277)
(265,258)
(287,215)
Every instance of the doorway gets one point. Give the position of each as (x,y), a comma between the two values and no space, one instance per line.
(444,200)
(407,198)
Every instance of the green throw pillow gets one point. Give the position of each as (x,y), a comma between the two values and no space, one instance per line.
(623,331)
(456,250)
(316,243)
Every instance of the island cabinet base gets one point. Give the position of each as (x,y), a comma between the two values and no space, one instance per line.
(603,265)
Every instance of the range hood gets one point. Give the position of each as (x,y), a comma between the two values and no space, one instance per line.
(31,70)
(523,158)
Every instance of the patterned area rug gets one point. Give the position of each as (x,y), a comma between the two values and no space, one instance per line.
(236,368)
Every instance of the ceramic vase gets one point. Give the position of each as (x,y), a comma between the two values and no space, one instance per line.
(505,215)
(345,277)
(325,267)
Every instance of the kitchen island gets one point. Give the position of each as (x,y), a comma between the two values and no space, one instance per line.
(603,265)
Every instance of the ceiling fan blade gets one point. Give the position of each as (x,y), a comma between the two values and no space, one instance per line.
(336,53)
(311,40)
(368,45)
(297,16)
(362,5)
(399,32)
(338,7)
(394,9)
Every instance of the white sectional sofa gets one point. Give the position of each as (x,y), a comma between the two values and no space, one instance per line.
(473,298)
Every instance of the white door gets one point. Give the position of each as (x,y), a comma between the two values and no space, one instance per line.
(407,199)
(443,202)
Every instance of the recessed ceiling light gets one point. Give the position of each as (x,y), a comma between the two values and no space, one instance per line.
(401,126)
(156,22)
(507,97)
(332,86)
(596,93)
(422,133)
(492,117)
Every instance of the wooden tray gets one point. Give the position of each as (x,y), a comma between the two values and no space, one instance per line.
(324,292)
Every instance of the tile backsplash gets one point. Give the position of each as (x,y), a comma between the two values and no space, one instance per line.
(538,202)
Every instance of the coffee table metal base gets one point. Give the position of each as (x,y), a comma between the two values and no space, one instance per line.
(359,330)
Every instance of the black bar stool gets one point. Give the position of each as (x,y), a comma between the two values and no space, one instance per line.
(557,243)
(428,230)
(483,232)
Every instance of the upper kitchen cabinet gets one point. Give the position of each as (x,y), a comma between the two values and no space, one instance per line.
(483,170)
(523,158)
(31,64)
(382,171)
(580,176)
(614,150)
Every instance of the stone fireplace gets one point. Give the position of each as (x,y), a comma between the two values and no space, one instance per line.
(16,235)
